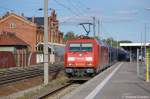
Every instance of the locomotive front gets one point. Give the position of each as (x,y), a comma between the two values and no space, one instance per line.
(79,58)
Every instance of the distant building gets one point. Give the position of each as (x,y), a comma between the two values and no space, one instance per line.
(13,51)
(30,29)
(21,27)
(55,36)
(10,42)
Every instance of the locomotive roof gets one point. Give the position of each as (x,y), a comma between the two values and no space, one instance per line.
(102,43)
(79,40)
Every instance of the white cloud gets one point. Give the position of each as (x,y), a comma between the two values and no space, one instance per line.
(148,8)
(75,19)
(127,12)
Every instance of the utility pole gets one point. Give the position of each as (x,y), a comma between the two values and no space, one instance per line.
(45,42)
(130,54)
(94,27)
(145,41)
(98,29)
(138,69)
(141,48)
(111,51)
(117,48)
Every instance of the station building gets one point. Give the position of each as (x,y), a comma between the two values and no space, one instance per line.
(31,29)
(22,36)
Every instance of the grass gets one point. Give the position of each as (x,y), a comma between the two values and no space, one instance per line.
(60,80)
(3,70)
(28,95)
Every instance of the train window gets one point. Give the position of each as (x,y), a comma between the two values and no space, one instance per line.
(86,47)
(81,47)
(75,47)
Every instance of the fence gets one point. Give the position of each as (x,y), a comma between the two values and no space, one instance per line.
(22,58)
(7,60)
(57,57)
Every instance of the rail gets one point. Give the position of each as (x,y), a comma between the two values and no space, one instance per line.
(49,93)
(17,75)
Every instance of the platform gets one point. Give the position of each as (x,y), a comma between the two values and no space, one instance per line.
(118,82)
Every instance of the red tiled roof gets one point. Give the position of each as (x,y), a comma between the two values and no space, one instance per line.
(22,18)
(11,39)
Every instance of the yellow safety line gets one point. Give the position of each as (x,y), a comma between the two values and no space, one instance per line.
(147,67)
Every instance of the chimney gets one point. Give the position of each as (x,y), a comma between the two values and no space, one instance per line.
(33,19)
(7,13)
(22,14)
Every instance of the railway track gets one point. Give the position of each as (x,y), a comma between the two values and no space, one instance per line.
(60,91)
(49,93)
(21,74)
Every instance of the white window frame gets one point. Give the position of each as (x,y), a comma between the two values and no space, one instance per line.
(12,25)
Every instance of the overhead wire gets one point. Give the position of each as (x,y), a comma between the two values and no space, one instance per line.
(105,31)
(82,5)
(68,8)
(77,12)
(75,7)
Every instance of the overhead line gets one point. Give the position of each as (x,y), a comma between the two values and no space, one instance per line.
(107,33)
(77,10)
(79,2)
(68,8)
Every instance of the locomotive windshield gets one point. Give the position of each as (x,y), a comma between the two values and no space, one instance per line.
(79,47)
(75,47)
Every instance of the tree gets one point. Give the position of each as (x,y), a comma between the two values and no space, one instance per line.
(111,41)
(69,36)
(125,41)
(96,37)
(114,43)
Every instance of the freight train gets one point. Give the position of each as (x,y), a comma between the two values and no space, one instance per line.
(84,58)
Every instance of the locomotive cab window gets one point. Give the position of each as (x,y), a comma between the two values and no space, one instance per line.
(74,47)
(86,47)
(79,47)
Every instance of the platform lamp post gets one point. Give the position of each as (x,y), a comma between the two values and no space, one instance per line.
(46,42)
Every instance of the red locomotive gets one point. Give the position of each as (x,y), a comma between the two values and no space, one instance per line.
(85,57)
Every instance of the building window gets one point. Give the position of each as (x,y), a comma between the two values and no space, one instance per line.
(12,25)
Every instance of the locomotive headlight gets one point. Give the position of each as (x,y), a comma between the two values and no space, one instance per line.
(89,58)
(71,58)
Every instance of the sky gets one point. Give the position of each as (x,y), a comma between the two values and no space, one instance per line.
(119,19)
